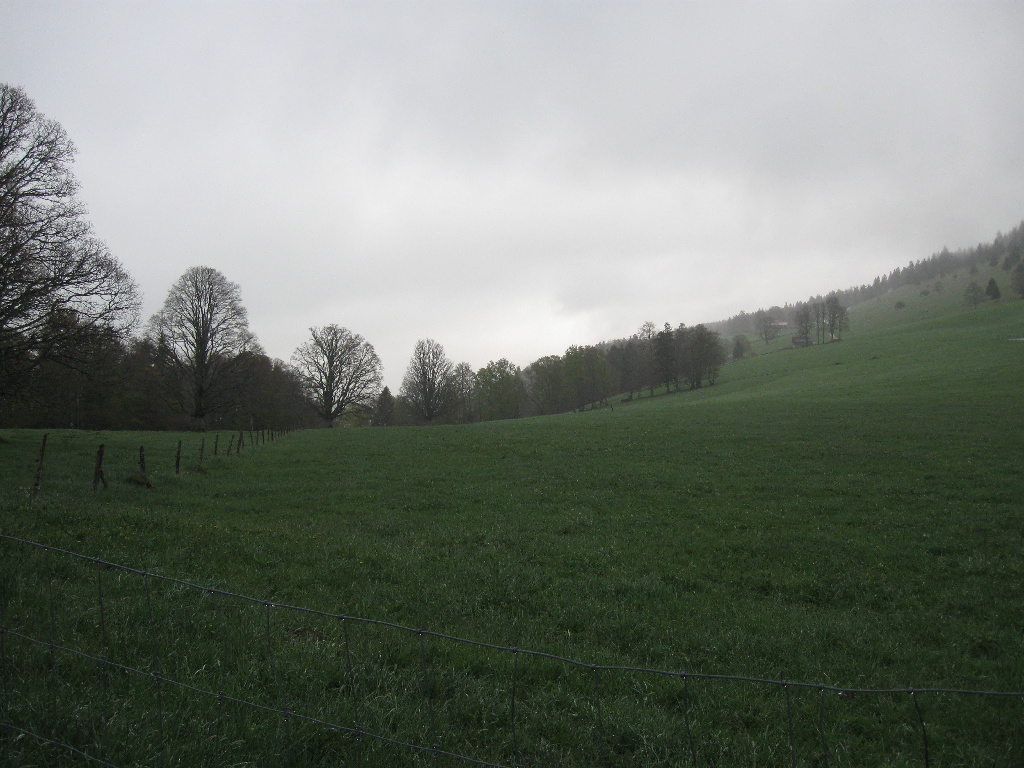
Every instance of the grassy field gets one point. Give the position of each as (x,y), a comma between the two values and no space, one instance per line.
(848,515)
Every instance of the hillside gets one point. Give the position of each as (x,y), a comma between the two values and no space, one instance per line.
(847,514)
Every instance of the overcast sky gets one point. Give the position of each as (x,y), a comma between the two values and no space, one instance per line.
(510,178)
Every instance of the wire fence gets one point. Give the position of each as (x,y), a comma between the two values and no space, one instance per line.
(109,665)
(217,445)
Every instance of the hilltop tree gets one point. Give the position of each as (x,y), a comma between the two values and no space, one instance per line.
(837,319)
(60,288)
(339,370)
(974,294)
(200,335)
(765,325)
(1017,280)
(428,386)
(740,347)
(804,320)
(701,354)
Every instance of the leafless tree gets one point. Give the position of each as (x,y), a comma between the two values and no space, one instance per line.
(765,325)
(837,318)
(200,333)
(429,387)
(339,370)
(59,286)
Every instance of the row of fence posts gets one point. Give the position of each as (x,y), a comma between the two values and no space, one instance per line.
(256,437)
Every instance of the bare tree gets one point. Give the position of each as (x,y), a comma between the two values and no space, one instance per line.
(765,325)
(428,388)
(59,285)
(339,370)
(836,317)
(201,332)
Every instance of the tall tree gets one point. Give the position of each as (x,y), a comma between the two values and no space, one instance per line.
(271,396)
(339,370)
(201,332)
(499,389)
(765,325)
(836,317)
(1017,280)
(464,405)
(59,285)
(974,294)
(804,320)
(701,354)
(648,369)
(624,361)
(545,384)
(665,361)
(992,290)
(428,385)
(384,409)
(740,347)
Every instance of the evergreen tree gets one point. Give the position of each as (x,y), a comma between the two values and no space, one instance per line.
(992,290)
(384,410)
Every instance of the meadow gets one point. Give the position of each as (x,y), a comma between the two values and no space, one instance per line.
(845,515)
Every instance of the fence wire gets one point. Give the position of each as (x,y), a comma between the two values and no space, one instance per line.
(119,667)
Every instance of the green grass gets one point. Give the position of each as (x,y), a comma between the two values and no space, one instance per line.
(848,514)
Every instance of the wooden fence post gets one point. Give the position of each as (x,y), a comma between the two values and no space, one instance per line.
(39,469)
(202,450)
(177,460)
(216,443)
(97,475)
(241,437)
(142,459)
(231,442)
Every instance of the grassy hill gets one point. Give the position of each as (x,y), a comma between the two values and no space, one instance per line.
(848,514)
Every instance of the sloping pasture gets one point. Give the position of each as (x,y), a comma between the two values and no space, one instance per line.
(848,515)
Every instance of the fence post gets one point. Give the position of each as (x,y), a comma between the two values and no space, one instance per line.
(602,745)
(241,437)
(177,460)
(39,469)
(920,720)
(216,443)
(97,475)
(202,450)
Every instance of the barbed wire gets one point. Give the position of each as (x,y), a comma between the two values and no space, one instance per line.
(287,715)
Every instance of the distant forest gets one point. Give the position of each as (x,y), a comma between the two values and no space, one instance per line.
(72,354)
(1006,250)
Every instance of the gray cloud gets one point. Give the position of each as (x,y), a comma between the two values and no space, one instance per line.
(511,178)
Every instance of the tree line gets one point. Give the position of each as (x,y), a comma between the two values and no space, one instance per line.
(436,390)
(70,354)
(1006,251)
